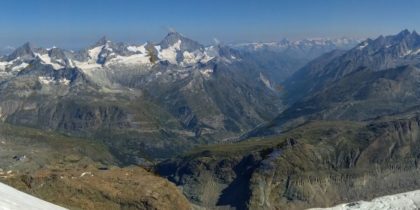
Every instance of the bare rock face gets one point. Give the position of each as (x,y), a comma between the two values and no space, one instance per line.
(319,164)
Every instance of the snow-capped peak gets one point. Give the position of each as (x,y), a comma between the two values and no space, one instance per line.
(174,49)
(26,51)
(186,44)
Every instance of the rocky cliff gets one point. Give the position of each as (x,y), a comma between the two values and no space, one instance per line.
(318,164)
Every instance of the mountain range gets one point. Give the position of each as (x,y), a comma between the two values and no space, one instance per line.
(348,132)
(376,78)
(285,57)
(158,98)
(233,126)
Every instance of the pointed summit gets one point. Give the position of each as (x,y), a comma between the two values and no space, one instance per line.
(28,45)
(403,34)
(171,38)
(26,51)
(411,39)
(186,44)
(102,41)
(174,33)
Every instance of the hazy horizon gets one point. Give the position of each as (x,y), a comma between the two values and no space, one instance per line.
(76,24)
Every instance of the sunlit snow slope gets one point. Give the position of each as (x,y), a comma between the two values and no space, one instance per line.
(12,199)
(406,201)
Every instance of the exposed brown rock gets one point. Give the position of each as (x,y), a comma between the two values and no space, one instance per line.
(91,188)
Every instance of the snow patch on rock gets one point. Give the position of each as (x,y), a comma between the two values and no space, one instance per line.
(136,59)
(20,66)
(46,59)
(51,81)
(207,72)
(136,49)
(266,82)
(169,54)
(363,45)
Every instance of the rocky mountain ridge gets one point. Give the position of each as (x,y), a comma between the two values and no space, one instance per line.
(352,134)
(156,99)
(376,78)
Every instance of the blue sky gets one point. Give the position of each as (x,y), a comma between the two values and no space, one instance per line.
(76,23)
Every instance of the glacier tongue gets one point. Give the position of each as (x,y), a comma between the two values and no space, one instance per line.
(12,199)
(406,201)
